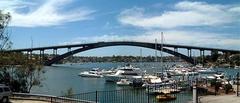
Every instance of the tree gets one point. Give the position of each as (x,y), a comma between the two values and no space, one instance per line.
(5,43)
(20,72)
(69,93)
(214,56)
(235,59)
(17,70)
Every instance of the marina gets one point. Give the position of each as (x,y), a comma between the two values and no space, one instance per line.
(68,74)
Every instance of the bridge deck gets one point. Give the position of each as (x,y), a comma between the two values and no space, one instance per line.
(123,42)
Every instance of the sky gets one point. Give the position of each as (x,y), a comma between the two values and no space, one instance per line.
(206,23)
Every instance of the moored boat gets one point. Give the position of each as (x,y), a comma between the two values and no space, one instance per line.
(95,73)
(89,74)
(127,72)
(165,97)
(124,82)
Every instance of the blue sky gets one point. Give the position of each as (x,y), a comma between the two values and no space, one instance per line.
(208,23)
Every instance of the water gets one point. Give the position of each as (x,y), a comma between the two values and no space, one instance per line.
(60,78)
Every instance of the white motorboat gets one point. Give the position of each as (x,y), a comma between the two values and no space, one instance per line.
(124,82)
(218,76)
(191,73)
(106,72)
(178,70)
(203,70)
(206,71)
(127,72)
(152,79)
(236,67)
(92,73)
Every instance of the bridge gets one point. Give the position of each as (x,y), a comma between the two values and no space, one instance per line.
(168,48)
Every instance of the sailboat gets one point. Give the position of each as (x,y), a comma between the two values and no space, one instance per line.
(156,82)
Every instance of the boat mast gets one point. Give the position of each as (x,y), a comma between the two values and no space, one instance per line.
(31,42)
(141,57)
(161,51)
(156,50)
(155,64)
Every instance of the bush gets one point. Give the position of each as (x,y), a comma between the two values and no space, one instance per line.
(227,88)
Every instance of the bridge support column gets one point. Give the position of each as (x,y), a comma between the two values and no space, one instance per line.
(54,52)
(202,56)
(176,50)
(41,56)
(189,52)
(70,57)
(69,49)
(27,54)
(30,57)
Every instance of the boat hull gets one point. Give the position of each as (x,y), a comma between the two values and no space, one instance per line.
(110,78)
(90,75)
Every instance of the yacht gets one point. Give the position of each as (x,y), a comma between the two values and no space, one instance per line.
(178,70)
(106,72)
(95,72)
(236,67)
(126,72)
(151,80)
(218,76)
(124,82)
(206,71)
(202,70)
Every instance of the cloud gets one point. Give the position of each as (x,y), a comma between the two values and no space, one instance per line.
(171,37)
(184,14)
(49,13)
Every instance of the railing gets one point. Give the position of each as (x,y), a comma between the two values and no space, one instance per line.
(47,98)
(148,94)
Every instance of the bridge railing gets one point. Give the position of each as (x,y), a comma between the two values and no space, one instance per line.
(46,98)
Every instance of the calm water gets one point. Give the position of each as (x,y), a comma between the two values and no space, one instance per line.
(60,78)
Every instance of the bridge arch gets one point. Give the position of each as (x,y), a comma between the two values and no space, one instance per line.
(107,44)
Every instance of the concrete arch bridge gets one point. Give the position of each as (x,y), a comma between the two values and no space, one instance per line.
(88,46)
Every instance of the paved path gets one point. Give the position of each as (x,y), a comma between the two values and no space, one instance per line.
(27,101)
(220,99)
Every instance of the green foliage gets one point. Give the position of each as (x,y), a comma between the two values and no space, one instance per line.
(69,93)
(214,56)
(227,88)
(4,35)
(216,84)
(235,59)
(20,72)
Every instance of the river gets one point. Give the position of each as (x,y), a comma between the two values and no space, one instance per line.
(59,78)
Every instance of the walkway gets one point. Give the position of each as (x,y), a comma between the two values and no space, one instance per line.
(220,99)
(27,101)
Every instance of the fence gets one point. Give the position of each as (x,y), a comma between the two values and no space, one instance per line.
(169,93)
(177,92)
(46,98)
